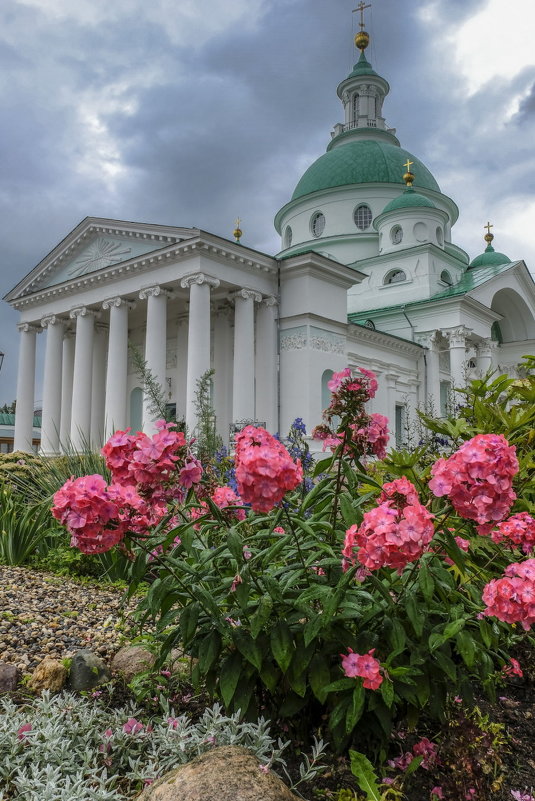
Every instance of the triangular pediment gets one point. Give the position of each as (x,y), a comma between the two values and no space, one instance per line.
(94,245)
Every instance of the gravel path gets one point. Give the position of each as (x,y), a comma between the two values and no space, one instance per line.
(42,614)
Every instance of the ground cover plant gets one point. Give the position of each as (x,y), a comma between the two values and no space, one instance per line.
(323,597)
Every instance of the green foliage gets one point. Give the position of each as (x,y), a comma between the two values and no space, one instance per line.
(19,469)
(152,389)
(207,439)
(24,529)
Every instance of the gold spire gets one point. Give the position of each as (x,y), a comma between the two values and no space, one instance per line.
(488,236)
(409,176)
(238,233)
(362,39)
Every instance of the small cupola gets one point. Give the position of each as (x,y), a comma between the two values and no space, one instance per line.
(489,257)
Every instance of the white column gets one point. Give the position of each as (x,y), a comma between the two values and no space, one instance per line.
(155,348)
(82,377)
(98,386)
(391,379)
(457,337)
(199,286)
(243,383)
(51,420)
(432,385)
(486,356)
(67,374)
(25,388)
(181,366)
(117,369)
(267,379)
(223,371)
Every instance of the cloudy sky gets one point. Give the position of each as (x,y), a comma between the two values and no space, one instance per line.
(192,112)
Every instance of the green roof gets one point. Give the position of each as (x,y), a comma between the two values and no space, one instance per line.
(408,199)
(362,161)
(362,67)
(490,258)
(9,420)
(469,281)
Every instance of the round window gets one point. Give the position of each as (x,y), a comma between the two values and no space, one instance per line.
(287,237)
(396,234)
(362,217)
(317,224)
(440,237)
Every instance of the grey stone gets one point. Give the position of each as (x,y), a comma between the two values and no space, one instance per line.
(131,660)
(229,773)
(9,677)
(87,671)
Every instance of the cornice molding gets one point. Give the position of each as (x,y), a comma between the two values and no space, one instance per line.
(357,332)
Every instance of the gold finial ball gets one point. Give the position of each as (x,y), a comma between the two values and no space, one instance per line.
(489,237)
(362,40)
(238,234)
(409,178)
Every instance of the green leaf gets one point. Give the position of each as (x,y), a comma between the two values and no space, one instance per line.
(347,510)
(339,713)
(414,765)
(425,580)
(363,771)
(248,647)
(209,649)
(323,465)
(397,636)
(229,677)
(188,622)
(446,664)
(466,647)
(316,492)
(269,675)
(486,632)
(235,545)
(415,615)
(387,692)
(319,676)
(453,628)
(356,708)
(272,588)
(339,684)
(242,696)
(282,645)
(261,616)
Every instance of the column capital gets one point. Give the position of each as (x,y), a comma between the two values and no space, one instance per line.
(199,279)
(269,301)
(487,345)
(248,294)
(153,292)
(29,328)
(52,319)
(429,339)
(117,302)
(391,378)
(83,311)
(457,336)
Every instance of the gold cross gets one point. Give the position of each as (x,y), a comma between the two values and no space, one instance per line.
(238,222)
(408,164)
(361,7)
(488,226)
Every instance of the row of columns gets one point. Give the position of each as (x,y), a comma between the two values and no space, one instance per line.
(84,403)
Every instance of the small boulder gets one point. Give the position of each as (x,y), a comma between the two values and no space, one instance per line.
(48,675)
(131,660)
(9,678)
(228,773)
(87,671)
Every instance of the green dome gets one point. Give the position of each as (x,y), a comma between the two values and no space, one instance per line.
(362,67)
(362,161)
(409,199)
(490,258)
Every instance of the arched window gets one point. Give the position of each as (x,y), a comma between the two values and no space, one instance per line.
(362,217)
(446,278)
(355,107)
(325,391)
(496,333)
(136,409)
(288,237)
(394,277)
(396,234)
(317,224)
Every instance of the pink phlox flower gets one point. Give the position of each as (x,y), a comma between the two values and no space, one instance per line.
(132,726)
(21,733)
(247,553)
(401,762)
(363,665)
(437,792)
(338,379)
(264,768)
(519,796)
(518,530)
(279,530)
(225,497)
(512,598)
(191,473)
(237,580)
(428,750)
(513,668)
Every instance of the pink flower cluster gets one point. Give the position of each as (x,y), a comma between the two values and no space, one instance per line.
(517,530)
(478,479)
(512,598)
(265,471)
(424,748)
(98,516)
(373,437)
(339,381)
(365,666)
(222,497)
(513,668)
(393,534)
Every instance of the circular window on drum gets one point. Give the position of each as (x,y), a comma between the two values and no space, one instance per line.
(317,224)
(396,234)
(288,237)
(362,217)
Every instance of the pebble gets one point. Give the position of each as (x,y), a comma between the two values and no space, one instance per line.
(42,614)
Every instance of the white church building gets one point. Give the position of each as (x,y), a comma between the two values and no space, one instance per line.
(368,275)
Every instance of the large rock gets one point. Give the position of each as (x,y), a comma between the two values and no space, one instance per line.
(9,677)
(131,660)
(87,671)
(229,773)
(48,675)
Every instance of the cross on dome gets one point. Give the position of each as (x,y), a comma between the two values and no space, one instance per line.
(361,7)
